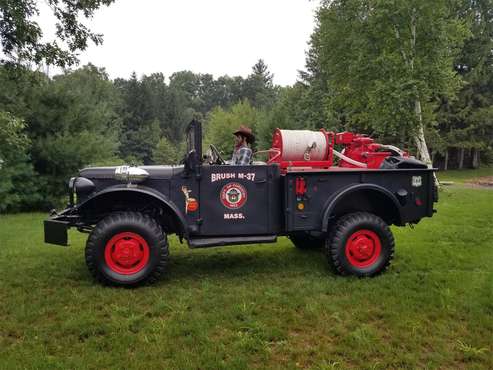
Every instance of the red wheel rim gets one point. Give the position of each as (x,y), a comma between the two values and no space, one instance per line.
(363,248)
(126,253)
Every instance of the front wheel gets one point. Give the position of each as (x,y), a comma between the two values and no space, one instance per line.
(361,244)
(127,248)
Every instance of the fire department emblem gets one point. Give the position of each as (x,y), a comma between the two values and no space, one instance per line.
(233,195)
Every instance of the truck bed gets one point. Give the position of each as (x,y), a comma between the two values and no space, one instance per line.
(334,191)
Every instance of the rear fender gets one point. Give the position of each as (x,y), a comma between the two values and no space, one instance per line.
(372,192)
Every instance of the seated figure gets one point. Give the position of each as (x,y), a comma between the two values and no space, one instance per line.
(243,139)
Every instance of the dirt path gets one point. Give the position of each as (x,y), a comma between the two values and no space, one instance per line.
(485,182)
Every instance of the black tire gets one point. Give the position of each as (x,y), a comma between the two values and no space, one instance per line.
(127,249)
(306,241)
(360,244)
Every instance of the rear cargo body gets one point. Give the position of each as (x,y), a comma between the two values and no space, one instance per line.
(339,186)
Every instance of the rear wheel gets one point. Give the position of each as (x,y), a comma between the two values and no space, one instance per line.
(361,244)
(128,249)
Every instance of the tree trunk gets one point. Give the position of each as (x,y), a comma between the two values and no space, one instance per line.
(461,158)
(475,158)
(423,153)
(445,166)
(419,137)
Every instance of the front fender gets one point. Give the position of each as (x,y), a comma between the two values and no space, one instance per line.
(123,189)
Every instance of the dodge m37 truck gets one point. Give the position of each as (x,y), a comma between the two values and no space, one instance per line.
(299,192)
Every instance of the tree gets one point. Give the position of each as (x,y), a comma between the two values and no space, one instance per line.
(167,152)
(387,63)
(288,112)
(258,87)
(188,83)
(214,93)
(22,38)
(221,124)
(179,111)
(467,123)
(18,190)
(261,70)
(73,124)
(140,128)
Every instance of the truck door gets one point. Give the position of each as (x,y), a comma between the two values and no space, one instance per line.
(234,200)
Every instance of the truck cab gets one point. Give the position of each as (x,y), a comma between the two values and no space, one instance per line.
(129,211)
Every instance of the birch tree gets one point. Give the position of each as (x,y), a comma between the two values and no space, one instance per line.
(387,62)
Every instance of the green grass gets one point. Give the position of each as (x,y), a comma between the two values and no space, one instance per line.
(460,176)
(262,306)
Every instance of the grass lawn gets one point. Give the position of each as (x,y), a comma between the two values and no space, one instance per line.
(460,176)
(262,306)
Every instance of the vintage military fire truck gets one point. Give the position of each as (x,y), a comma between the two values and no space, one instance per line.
(343,205)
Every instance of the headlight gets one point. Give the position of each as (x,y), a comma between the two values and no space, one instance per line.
(131,174)
(71,191)
(83,185)
(71,183)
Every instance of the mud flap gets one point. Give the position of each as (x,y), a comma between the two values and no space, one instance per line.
(56,232)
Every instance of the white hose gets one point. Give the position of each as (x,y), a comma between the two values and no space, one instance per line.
(392,147)
(349,160)
(299,145)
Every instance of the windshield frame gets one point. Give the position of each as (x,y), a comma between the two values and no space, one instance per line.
(193,136)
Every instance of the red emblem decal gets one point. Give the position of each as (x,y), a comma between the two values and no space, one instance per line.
(233,195)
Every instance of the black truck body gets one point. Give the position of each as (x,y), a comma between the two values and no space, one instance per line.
(212,205)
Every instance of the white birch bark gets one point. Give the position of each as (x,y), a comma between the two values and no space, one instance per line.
(475,159)
(419,136)
(419,133)
(461,158)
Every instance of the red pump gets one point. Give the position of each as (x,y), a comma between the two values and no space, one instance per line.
(362,149)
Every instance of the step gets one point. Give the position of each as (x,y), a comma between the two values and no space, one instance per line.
(216,241)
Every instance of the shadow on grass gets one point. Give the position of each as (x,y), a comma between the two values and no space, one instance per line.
(218,263)
(265,259)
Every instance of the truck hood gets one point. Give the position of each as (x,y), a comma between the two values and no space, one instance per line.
(155,172)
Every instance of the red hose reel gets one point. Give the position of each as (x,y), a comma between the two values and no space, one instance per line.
(302,148)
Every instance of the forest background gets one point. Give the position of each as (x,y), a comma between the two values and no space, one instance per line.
(415,74)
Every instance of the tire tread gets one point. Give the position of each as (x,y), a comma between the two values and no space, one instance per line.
(333,243)
(136,218)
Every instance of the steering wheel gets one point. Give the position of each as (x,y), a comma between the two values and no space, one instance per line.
(216,156)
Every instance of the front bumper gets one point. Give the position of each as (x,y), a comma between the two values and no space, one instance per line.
(55,227)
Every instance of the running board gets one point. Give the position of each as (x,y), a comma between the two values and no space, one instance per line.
(218,241)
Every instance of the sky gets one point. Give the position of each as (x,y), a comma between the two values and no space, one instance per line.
(221,37)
